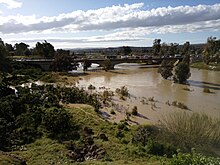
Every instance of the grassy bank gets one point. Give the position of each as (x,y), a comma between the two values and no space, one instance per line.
(202,65)
(52,125)
(119,149)
(123,144)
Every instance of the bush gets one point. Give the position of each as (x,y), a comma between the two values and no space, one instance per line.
(134,111)
(187,130)
(112,112)
(160,149)
(206,90)
(179,105)
(193,158)
(123,91)
(143,134)
(58,122)
(91,87)
(151,99)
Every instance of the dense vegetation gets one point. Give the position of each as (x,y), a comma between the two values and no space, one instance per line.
(40,125)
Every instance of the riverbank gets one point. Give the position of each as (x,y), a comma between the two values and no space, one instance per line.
(202,65)
(70,132)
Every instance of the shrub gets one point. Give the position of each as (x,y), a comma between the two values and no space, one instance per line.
(58,123)
(123,91)
(134,111)
(143,133)
(206,90)
(112,112)
(193,158)
(91,87)
(151,99)
(187,130)
(122,126)
(160,149)
(179,105)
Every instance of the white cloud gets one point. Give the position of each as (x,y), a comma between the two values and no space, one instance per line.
(11,4)
(115,17)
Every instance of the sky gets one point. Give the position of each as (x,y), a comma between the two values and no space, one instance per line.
(108,23)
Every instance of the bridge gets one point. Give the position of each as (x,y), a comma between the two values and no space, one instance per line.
(46,64)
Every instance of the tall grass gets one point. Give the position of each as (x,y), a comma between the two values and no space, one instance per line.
(187,130)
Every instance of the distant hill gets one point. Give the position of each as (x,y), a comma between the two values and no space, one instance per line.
(118,49)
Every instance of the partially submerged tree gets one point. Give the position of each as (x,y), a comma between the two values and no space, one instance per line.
(107,65)
(182,72)
(166,69)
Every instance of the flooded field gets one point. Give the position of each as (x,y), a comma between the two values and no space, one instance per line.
(143,82)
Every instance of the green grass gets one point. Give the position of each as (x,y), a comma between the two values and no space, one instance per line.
(45,151)
(202,65)
(119,149)
(188,130)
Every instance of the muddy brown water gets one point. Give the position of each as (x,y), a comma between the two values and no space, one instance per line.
(145,82)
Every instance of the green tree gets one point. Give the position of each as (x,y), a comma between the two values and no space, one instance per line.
(182,72)
(163,49)
(156,47)
(211,50)
(4,61)
(20,49)
(62,61)
(185,52)
(9,47)
(44,49)
(126,50)
(165,69)
(107,65)
(173,49)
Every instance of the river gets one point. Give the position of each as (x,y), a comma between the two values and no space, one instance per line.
(144,82)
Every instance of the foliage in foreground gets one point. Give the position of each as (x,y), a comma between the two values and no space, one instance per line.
(186,130)
(28,113)
(193,159)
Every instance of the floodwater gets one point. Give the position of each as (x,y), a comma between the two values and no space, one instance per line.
(143,82)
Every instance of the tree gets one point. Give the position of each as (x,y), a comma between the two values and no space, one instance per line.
(126,50)
(186,52)
(20,49)
(165,69)
(182,73)
(107,65)
(172,49)
(163,49)
(62,61)
(44,49)
(211,50)
(4,61)
(156,47)
(9,47)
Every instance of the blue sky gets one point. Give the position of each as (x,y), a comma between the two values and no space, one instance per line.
(102,23)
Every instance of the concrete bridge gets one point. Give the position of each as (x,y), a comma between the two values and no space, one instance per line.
(46,64)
